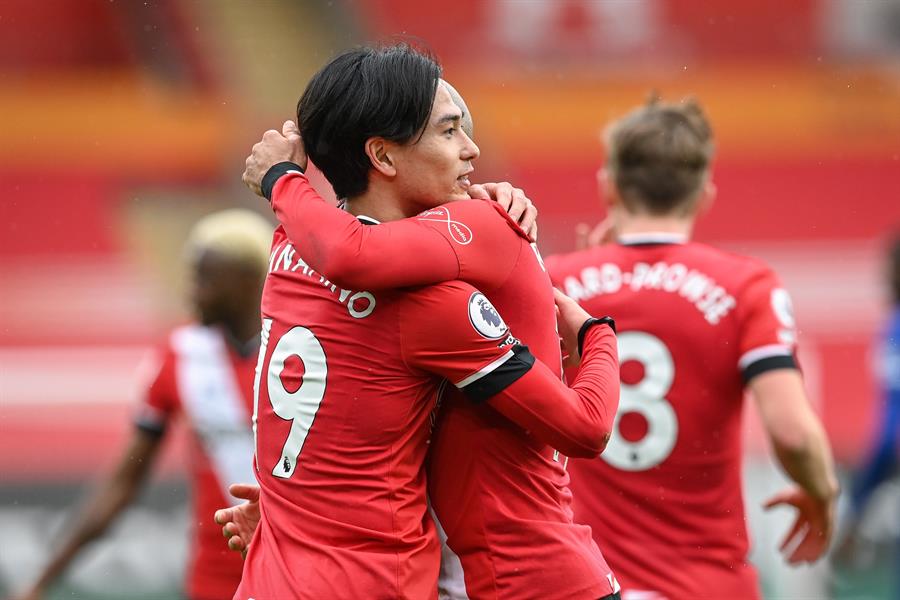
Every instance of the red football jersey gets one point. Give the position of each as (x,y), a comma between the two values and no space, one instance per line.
(347,382)
(500,493)
(202,378)
(695,324)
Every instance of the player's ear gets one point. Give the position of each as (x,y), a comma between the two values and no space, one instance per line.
(707,197)
(606,187)
(379,152)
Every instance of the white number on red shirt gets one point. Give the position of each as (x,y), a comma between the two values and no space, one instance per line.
(647,397)
(300,406)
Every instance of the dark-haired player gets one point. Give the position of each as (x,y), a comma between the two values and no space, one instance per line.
(347,378)
(698,327)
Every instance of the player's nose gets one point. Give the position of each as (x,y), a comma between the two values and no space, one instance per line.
(470,150)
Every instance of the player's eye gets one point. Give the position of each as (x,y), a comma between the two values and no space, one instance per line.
(451,131)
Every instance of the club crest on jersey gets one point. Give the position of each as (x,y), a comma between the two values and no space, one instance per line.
(459,231)
(485,318)
(784,311)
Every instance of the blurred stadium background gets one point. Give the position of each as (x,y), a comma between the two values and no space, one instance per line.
(122,121)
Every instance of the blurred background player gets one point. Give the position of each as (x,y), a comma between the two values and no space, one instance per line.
(204,375)
(884,454)
(697,327)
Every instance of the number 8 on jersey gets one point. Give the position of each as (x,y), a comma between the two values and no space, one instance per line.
(647,398)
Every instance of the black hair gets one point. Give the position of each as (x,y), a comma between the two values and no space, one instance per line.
(362,93)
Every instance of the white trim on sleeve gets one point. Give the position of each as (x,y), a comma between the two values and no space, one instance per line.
(486,370)
(768,351)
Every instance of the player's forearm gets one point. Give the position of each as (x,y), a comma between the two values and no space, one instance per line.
(597,382)
(577,421)
(94,519)
(326,238)
(794,429)
(357,256)
(114,495)
(808,462)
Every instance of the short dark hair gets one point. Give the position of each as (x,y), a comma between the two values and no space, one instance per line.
(362,93)
(659,155)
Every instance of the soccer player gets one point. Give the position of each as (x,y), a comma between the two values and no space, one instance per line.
(348,377)
(698,326)
(884,453)
(204,375)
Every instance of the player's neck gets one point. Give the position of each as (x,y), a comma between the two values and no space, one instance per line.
(630,224)
(378,205)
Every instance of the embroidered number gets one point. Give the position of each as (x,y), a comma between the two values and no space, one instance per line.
(299,406)
(646,398)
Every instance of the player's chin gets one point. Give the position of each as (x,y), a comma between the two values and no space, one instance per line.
(459,193)
(461,187)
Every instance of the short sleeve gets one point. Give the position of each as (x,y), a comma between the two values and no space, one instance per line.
(452,330)
(768,329)
(158,395)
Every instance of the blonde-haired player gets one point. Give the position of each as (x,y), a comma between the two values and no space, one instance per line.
(204,373)
(241,235)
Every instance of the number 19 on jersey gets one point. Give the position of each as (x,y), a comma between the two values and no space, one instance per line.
(299,406)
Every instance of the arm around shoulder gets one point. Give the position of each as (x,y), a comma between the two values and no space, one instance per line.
(357,256)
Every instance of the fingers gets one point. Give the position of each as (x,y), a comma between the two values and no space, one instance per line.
(533,232)
(223,516)
(236,543)
(560,299)
(519,204)
(501,193)
(519,207)
(529,219)
(290,129)
(782,497)
(271,135)
(817,536)
(799,524)
(811,547)
(566,304)
(569,358)
(478,192)
(513,200)
(810,534)
(244,491)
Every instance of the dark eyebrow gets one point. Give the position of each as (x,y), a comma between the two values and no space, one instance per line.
(448,118)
